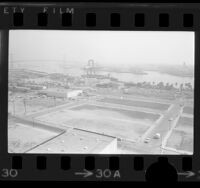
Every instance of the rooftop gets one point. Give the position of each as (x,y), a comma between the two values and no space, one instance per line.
(77,141)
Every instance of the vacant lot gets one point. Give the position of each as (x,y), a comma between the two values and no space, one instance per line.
(117,112)
(181,140)
(185,124)
(120,129)
(110,121)
(134,103)
(22,137)
(21,106)
(188,110)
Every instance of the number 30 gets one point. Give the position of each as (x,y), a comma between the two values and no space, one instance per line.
(5,173)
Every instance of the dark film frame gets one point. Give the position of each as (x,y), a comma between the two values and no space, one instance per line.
(173,17)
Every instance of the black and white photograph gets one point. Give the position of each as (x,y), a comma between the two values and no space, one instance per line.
(101,92)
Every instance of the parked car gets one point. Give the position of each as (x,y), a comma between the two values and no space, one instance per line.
(157,136)
(147,140)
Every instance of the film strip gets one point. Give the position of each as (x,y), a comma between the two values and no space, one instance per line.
(96,17)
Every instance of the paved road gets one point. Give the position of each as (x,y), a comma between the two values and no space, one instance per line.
(163,127)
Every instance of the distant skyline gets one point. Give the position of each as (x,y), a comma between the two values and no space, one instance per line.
(121,48)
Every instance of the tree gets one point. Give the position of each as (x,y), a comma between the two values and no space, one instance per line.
(160,85)
(188,86)
(24,101)
(139,84)
(181,87)
(172,86)
(54,100)
(167,86)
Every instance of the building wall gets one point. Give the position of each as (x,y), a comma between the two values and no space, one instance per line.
(111,148)
(61,94)
(74,93)
(54,94)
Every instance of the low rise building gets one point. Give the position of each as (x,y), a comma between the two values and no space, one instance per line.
(66,94)
(74,93)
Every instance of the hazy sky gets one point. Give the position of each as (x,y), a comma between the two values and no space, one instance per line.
(106,47)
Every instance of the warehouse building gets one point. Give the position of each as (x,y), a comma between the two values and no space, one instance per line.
(74,93)
(65,94)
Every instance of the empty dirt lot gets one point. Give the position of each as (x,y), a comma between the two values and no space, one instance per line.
(182,136)
(124,124)
(136,103)
(115,112)
(180,140)
(185,124)
(23,137)
(188,110)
